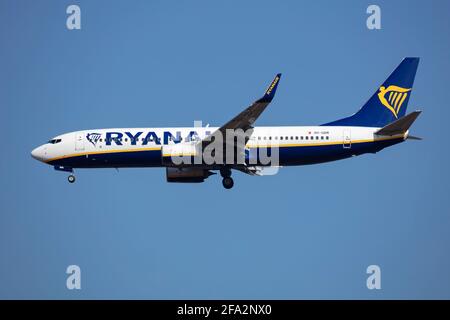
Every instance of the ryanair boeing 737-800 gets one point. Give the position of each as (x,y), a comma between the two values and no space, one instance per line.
(193,154)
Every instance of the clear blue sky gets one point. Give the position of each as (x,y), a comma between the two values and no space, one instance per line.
(308,232)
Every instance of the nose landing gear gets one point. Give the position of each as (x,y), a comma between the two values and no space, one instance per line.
(71,178)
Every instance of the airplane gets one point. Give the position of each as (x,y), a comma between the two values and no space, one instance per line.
(381,122)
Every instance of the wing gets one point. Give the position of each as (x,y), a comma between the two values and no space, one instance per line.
(246,118)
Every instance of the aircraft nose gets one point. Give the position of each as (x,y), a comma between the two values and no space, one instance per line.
(38,153)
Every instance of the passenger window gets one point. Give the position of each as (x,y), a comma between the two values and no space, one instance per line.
(306,137)
(281,138)
(327,137)
(321,138)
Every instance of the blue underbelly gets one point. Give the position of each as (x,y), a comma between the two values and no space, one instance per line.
(145,158)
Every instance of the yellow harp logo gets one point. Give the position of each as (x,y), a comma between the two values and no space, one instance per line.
(393,97)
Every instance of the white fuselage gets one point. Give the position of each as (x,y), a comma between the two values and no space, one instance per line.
(110,146)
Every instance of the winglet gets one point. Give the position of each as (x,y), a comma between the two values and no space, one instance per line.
(270,92)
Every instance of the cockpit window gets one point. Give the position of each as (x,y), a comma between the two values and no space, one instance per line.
(54,141)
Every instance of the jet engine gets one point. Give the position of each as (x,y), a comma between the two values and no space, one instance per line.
(187,174)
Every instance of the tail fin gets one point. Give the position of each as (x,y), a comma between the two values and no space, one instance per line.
(389,102)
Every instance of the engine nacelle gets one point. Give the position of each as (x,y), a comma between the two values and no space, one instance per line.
(187,174)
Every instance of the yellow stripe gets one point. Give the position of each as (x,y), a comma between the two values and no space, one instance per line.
(179,155)
(393,98)
(401,102)
(256,146)
(397,100)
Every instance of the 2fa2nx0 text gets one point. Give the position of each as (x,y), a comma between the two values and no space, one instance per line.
(246,309)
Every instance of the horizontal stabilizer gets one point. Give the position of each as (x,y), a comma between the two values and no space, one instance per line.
(399,126)
(414,138)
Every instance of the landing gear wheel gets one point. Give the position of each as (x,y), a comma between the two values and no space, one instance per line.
(71,178)
(228,183)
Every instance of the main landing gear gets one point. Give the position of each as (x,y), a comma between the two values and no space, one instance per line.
(227,181)
(71,178)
